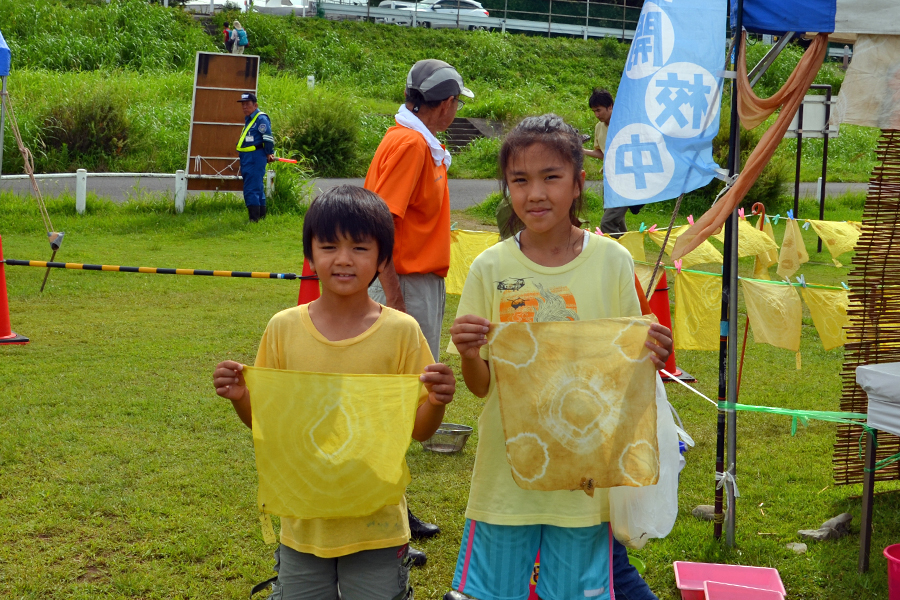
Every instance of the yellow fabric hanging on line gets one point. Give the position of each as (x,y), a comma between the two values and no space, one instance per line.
(465,246)
(829,313)
(766,259)
(702,254)
(634,243)
(644,273)
(330,446)
(698,311)
(775,312)
(751,241)
(578,403)
(839,237)
(793,250)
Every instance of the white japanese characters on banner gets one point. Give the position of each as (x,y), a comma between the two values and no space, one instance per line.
(666,112)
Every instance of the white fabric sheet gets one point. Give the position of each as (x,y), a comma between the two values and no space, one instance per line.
(882,384)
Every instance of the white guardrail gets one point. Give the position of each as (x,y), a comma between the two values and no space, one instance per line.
(81,177)
(464,21)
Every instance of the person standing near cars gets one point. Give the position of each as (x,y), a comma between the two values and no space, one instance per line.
(238,38)
(256,148)
(409,171)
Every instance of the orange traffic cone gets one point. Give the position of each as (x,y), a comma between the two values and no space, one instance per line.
(659,304)
(309,288)
(7,335)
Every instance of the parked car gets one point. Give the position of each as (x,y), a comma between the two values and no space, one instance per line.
(451,8)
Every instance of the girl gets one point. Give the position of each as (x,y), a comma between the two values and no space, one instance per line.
(550,270)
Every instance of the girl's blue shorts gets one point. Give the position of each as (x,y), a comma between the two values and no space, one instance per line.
(497,562)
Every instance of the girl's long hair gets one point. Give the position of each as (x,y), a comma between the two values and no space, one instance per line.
(552,132)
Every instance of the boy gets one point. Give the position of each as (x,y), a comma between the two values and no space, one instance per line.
(601,103)
(348,237)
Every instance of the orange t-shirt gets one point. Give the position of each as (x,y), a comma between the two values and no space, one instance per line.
(404,174)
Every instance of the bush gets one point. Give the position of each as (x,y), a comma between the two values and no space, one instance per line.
(292,190)
(478,160)
(324,129)
(50,34)
(83,133)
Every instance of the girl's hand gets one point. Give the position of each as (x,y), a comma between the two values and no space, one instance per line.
(440,383)
(228,379)
(660,344)
(469,334)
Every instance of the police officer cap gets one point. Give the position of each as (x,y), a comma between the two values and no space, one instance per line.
(248,97)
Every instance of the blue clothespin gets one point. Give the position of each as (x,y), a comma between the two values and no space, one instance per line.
(642,228)
(777,218)
(845,286)
(806,225)
(802,281)
(768,219)
(790,214)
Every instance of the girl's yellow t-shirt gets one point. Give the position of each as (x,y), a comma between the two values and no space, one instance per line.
(504,285)
(393,345)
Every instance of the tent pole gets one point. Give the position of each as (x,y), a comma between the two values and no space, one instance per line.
(733,302)
(728,339)
(2,119)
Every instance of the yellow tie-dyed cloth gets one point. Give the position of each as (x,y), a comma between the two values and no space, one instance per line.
(839,237)
(829,314)
(775,312)
(465,246)
(751,241)
(793,250)
(702,254)
(698,311)
(634,243)
(578,403)
(330,446)
(765,259)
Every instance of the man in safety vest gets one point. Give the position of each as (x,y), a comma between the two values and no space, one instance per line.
(256,147)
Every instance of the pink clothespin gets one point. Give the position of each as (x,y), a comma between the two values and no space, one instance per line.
(741,213)
(691,219)
(652,229)
(677,262)
(598,232)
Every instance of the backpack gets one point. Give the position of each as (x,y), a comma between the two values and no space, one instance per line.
(242,38)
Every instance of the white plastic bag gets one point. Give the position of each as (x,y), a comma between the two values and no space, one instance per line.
(640,513)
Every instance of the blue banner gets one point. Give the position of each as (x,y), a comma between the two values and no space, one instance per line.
(5,57)
(666,112)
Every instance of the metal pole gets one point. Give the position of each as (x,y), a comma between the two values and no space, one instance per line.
(824,159)
(587,16)
(2,119)
(505,4)
(799,154)
(550,18)
(624,8)
(728,337)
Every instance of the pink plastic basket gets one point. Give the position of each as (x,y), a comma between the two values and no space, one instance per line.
(690,576)
(726,591)
(892,554)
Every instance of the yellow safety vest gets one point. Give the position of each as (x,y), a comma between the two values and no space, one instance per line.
(244,134)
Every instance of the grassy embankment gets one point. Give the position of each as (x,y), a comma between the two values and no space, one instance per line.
(69,57)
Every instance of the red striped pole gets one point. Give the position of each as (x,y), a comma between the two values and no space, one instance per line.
(7,335)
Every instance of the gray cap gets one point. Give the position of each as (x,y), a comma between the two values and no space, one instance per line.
(436,80)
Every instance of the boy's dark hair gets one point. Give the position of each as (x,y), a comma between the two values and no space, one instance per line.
(556,136)
(600,97)
(353,212)
(417,100)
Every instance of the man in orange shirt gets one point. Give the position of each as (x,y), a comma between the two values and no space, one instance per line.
(409,171)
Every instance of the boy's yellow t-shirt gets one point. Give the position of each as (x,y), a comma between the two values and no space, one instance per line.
(393,345)
(503,286)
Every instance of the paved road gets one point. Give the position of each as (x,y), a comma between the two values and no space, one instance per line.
(463,192)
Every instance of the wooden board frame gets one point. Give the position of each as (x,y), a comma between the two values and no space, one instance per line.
(217,120)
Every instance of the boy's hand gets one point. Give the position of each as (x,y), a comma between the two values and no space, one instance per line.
(660,344)
(440,383)
(469,334)
(228,379)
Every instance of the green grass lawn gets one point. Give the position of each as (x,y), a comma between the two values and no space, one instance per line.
(123,475)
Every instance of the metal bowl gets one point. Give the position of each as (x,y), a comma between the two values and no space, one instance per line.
(448,439)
